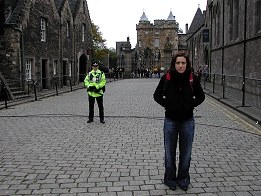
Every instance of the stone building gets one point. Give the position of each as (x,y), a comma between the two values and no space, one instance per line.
(44,41)
(227,37)
(157,42)
(124,54)
(194,40)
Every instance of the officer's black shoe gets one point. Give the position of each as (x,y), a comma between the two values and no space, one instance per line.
(102,121)
(90,120)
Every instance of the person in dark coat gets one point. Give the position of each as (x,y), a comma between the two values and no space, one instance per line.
(179,92)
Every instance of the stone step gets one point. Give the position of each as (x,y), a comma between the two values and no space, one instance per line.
(19,93)
(24,96)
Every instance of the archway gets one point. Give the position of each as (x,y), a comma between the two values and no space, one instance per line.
(82,67)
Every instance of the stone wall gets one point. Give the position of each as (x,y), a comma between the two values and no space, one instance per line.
(59,53)
(234,45)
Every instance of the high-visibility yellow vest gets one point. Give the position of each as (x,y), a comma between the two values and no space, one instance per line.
(95,82)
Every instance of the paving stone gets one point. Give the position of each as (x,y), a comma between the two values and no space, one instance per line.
(47,148)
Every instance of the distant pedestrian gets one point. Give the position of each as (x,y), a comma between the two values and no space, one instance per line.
(179,92)
(205,73)
(95,82)
(199,73)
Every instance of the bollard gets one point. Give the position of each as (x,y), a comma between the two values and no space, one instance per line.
(223,83)
(213,89)
(56,86)
(70,80)
(243,91)
(28,86)
(35,95)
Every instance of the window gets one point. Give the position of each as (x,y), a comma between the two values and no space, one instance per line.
(68,29)
(43,29)
(28,69)
(236,19)
(231,21)
(83,32)
(258,16)
(55,63)
(84,6)
(218,25)
(70,69)
(157,42)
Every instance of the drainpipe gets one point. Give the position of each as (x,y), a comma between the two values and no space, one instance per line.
(223,48)
(21,71)
(75,62)
(192,52)
(210,38)
(60,75)
(244,57)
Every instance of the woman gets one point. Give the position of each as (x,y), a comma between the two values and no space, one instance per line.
(179,92)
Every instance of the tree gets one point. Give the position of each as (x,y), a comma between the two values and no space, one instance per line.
(100,51)
(98,41)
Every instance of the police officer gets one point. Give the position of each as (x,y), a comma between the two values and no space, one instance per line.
(95,82)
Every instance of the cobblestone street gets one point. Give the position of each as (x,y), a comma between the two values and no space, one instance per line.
(47,148)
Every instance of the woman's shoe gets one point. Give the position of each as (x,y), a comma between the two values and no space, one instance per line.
(171,187)
(183,187)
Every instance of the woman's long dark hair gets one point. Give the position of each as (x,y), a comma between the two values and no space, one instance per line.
(174,58)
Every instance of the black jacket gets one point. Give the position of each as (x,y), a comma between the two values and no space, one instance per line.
(178,96)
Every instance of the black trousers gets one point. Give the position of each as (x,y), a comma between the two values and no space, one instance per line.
(100,105)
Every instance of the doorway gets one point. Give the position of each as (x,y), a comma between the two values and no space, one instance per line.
(82,68)
(64,73)
(44,74)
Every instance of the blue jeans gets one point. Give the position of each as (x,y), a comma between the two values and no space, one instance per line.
(184,131)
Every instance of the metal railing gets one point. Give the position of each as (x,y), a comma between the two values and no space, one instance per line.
(246,90)
(33,89)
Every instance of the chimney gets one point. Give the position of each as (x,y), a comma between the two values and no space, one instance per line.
(186,28)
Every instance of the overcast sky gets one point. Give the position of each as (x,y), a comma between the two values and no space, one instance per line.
(117,19)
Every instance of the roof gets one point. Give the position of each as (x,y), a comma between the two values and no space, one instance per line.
(73,4)
(16,8)
(143,17)
(197,21)
(58,4)
(171,17)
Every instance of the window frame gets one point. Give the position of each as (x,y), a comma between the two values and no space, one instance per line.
(43,29)
(28,69)
(68,32)
(258,16)
(83,32)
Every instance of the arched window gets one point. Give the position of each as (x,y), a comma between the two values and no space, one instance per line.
(218,24)
(258,16)
(236,18)
(214,34)
(230,4)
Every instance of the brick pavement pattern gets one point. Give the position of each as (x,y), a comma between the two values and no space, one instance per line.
(47,148)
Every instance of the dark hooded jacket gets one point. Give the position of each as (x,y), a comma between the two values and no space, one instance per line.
(178,96)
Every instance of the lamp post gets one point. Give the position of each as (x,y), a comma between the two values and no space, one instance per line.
(108,60)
